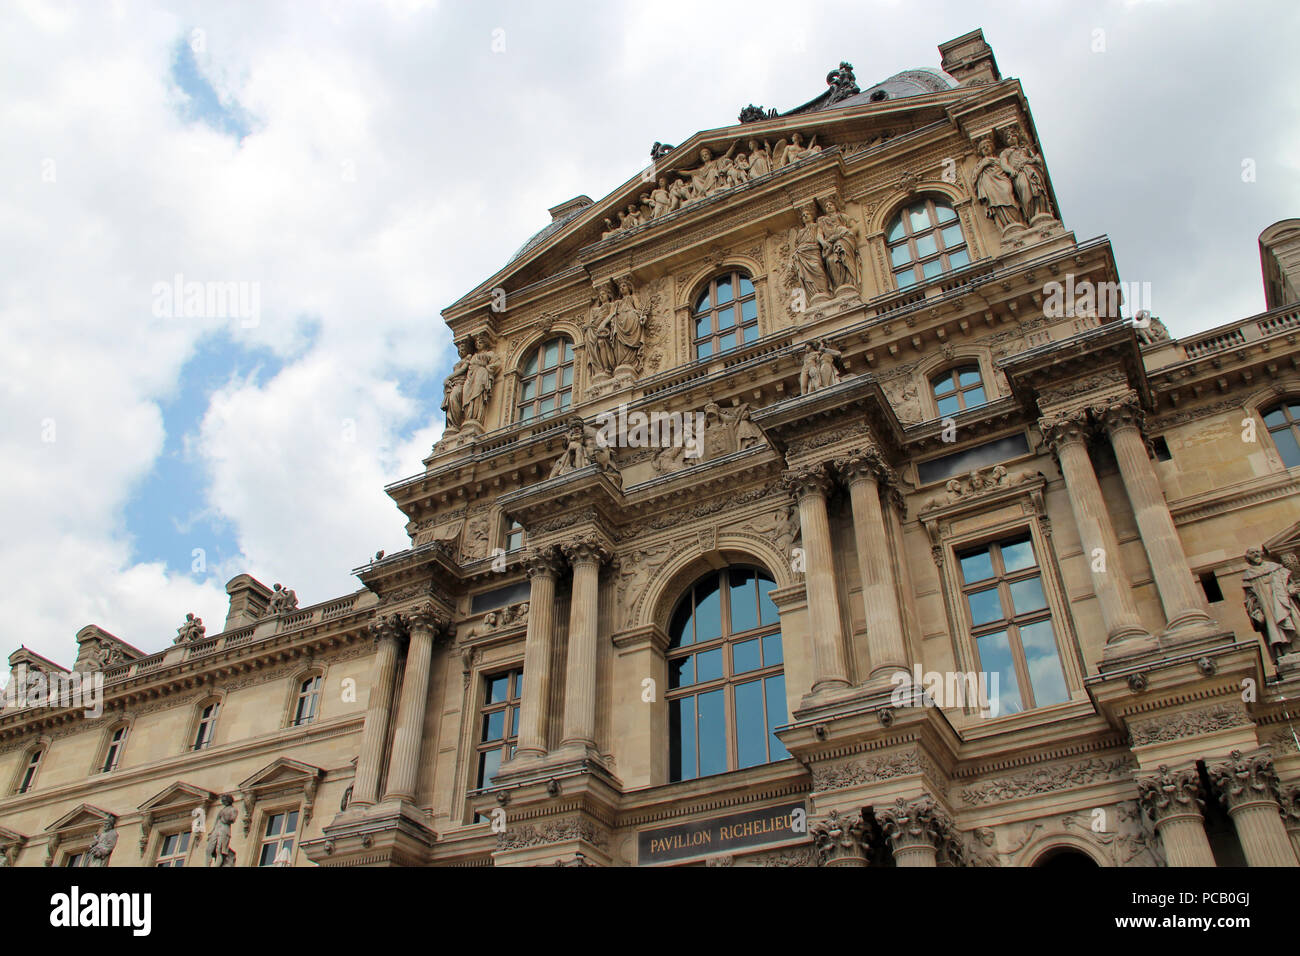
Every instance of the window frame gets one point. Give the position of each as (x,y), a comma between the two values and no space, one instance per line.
(942,254)
(197,740)
(1290,423)
(29,769)
(264,822)
(952,372)
(110,757)
(296,719)
(707,289)
(175,859)
(511,707)
(566,359)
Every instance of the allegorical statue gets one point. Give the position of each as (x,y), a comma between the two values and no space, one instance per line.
(993,187)
(819,369)
(101,848)
(760,159)
(596,332)
(282,600)
(582,448)
(805,265)
(839,246)
(219,841)
(192,630)
(480,376)
(1025,167)
(628,331)
(1271,601)
(453,394)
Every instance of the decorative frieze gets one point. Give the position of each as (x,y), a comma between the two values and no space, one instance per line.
(1187,723)
(1047,780)
(866,770)
(552,831)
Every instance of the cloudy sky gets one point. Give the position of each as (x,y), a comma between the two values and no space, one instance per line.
(360,166)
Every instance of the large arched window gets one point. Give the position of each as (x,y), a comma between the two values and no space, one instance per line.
(958,389)
(725,315)
(1283,423)
(726,682)
(925,241)
(546,379)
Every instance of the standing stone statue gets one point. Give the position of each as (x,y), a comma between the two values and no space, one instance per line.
(192,630)
(219,841)
(760,159)
(993,187)
(1025,167)
(819,369)
(480,376)
(628,326)
(453,389)
(583,448)
(101,848)
(597,335)
(838,241)
(1271,601)
(805,265)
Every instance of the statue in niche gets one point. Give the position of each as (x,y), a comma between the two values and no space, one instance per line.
(583,448)
(101,848)
(819,367)
(837,238)
(453,387)
(805,265)
(219,842)
(192,630)
(786,530)
(1025,167)
(993,187)
(760,159)
(282,601)
(1271,601)
(747,433)
(627,331)
(480,376)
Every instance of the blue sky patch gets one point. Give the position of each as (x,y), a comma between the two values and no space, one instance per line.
(202,102)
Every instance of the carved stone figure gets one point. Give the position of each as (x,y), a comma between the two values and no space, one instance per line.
(480,376)
(219,842)
(842,82)
(786,531)
(582,449)
(993,187)
(679,193)
(747,433)
(474,543)
(1025,168)
(627,331)
(805,266)
(453,387)
(796,150)
(597,335)
(819,369)
(661,202)
(760,159)
(192,630)
(838,240)
(282,601)
(1271,601)
(709,176)
(101,848)
(1150,329)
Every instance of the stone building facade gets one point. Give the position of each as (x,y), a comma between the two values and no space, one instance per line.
(806,501)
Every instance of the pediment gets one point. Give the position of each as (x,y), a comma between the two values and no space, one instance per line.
(282,774)
(86,816)
(8,836)
(179,796)
(1284,542)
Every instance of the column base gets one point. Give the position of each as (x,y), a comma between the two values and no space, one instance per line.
(1195,633)
(1121,651)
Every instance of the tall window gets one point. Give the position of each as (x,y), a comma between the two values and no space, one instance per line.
(514,535)
(958,389)
(925,241)
(499,724)
(304,711)
(277,839)
(116,744)
(1283,423)
(29,771)
(726,683)
(207,725)
(546,380)
(726,314)
(1012,624)
(172,850)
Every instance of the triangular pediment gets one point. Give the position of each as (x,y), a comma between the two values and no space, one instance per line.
(177,796)
(8,836)
(1285,541)
(85,816)
(282,773)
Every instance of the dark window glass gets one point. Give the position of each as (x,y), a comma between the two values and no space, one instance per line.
(308,698)
(499,723)
(981,456)
(278,837)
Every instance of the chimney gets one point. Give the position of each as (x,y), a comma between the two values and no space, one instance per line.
(249,599)
(566,209)
(1279,255)
(969,60)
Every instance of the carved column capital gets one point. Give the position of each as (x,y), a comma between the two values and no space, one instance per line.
(1120,412)
(1245,779)
(841,840)
(1065,429)
(423,617)
(917,822)
(1168,794)
(386,627)
(586,550)
(808,480)
(544,561)
(864,464)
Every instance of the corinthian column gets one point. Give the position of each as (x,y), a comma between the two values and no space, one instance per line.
(841,841)
(1247,785)
(915,830)
(1178,595)
(1173,800)
(386,631)
(886,653)
(1290,807)
(584,645)
(1068,437)
(404,763)
(811,485)
(543,569)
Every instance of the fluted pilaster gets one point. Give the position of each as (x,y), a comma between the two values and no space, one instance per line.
(586,557)
(387,631)
(408,737)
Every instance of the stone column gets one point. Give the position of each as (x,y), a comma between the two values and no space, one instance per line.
(840,840)
(1291,815)
(1068,437)
(584,644)
(886,651)
(811,486)
(404,764)
(379,704)
(915,830)
(539,644)
(1173,800)
(1247,786)
(1179,596)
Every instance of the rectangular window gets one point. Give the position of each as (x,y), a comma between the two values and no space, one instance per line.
(514,535)
(498,723)
(277,839)
(308,698)
(1210,585)
(173,848)
(1006,608)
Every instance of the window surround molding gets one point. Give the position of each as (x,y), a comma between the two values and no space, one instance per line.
(282,786)
(168,812)
(106,742)
(73,832)
(501,653)
(1007,509)
(1260,401)
(890,205)
(217,697)
(689,288)
(929,368)
(42,744)
(311,669)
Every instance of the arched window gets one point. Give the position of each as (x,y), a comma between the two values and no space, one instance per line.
(206,728)
(958,389)
(308,700)
(726,681)
(925,241)
(546,379)
(32,765)
(1283,423)
(116,744)
(726,314)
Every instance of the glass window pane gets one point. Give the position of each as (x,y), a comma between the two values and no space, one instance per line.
(932,268)
(1018,555)
(546,405)
(498,687)
(749,310)
(292,825)
(969,377)
(565,399)
(1044,664)
(566,376)
(771,650)
(977,566)
(895,231)
(682,631)
(744,600)
(943,212)
(704,349)
(703,304)
(548,382)
(944,385)
(724,290)
(489,762)
(708,610)
(514,721)
(958,259)
(949,405)
(1275,417)
(713,733)
(751,728)
(996,662)
(530,367)
(726,318)
(919,218)
(900,255)
(952,237)
(728,341)
(746,287)
(568,350)
(926,246)
(1294,412)
(745,657)
(1027,595)
(767,611)
(704,326)
(681,738)
(984,606)
(905,279)
(974,397)
(681,671)
(708,665)
(776,715)
(267,856)
(1287,447)
(494,725)
(751,333)
(273,824)
(550,354)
